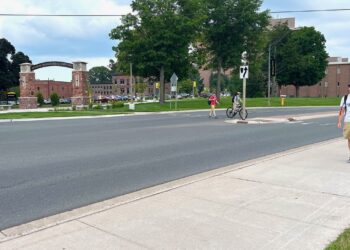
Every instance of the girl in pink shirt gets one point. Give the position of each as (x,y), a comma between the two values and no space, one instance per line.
(213,101)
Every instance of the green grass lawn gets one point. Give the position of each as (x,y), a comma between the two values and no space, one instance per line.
(185,104)
(342,243)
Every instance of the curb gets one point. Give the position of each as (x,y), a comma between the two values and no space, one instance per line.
(286,119)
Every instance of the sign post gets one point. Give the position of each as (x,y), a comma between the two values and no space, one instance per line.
(244,74)
(194,88)
(173,83)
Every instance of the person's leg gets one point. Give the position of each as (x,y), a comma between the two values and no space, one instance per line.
(214,114)
(346,134)
(211,111)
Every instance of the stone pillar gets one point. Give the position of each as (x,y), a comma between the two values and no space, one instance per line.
(80,82)
(27,100)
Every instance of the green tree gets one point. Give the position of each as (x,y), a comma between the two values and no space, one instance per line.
(9,64)
(231,27)
(17,59)
(40,99)
(100,75)
(186,86)
(225,81)
(55,99)
(140,88)
(302,58)
(157,38)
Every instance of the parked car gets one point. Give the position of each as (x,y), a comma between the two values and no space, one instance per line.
(47,101)
(205,95)
(65,100)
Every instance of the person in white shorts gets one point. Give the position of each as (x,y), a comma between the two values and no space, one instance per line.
(344,113)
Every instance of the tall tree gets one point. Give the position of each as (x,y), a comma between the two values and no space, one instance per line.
(9,64)
(100,75)
(302,58)
(18,59)
(231,27)
(156,40)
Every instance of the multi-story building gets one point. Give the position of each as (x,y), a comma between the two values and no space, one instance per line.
(334,84)
(120,86)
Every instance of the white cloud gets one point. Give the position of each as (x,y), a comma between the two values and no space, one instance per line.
(31,30)
(333,25)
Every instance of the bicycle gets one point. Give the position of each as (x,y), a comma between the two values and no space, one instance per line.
(230,113)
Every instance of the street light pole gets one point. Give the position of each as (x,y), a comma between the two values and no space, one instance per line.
(269,78)
(131,82)
(274,43)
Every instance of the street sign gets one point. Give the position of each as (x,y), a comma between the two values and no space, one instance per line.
(244,72)
(173,81)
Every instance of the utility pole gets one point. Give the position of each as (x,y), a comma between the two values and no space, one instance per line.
(269,78)
(274,43)
(131,83)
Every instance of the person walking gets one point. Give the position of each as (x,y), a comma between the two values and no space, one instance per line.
(213,101)
(344,115)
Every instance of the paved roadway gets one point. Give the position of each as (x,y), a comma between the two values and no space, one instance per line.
(48,167)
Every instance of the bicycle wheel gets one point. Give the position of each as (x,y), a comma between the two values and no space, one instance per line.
(242,114)
(229,113)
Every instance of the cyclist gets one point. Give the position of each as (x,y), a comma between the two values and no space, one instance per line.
(236,101)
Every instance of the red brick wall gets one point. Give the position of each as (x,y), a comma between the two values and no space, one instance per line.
(47,87)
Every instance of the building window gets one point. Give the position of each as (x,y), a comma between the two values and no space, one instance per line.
(38,88)
(32,93)
(338,70)
(121,81)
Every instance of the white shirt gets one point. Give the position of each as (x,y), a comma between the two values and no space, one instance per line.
(237,100)
(347,110)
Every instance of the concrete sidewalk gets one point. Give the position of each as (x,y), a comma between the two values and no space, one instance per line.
(298,199)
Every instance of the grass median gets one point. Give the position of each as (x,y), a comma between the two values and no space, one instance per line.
(185,104)
(342,243)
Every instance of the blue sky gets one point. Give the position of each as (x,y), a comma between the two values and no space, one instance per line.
(86,38)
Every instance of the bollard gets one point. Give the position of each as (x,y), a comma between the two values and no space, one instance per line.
(283,97)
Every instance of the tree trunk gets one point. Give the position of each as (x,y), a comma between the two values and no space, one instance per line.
(162,86)
(218,84)
(297,90)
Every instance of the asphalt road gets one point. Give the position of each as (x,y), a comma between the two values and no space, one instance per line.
(48,167)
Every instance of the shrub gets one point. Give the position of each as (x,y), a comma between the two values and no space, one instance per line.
(40,99)
(55,99)
(98,106)
(116,104)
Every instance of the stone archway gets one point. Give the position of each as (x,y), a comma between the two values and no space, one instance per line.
(80,77)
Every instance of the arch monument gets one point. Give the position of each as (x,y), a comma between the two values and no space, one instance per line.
(80,83)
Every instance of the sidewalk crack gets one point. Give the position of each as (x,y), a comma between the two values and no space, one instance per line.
(115,235)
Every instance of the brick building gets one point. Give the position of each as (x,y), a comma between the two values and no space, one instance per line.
(47,87)
(334,84)
(120,86)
